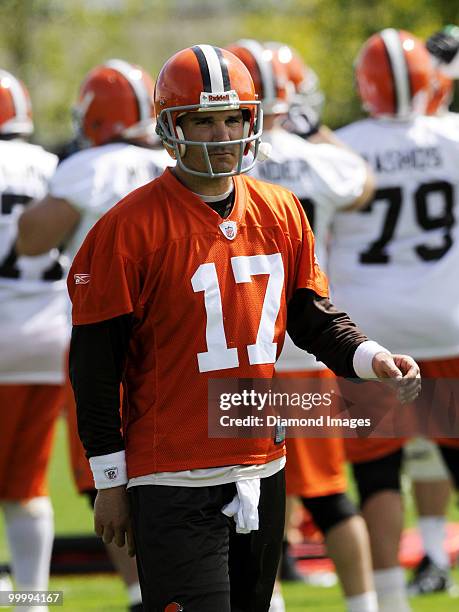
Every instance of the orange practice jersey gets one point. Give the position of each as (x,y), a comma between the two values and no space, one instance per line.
(209,300)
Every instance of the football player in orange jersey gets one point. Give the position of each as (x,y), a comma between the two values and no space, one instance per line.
(195,276)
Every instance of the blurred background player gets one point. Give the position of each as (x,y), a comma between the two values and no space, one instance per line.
(398,255)
(325,177)
(114,120)
(34,334)
(306,99)
(423,463)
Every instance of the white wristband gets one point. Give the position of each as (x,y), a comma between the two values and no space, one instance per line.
(109,470)
(363,358)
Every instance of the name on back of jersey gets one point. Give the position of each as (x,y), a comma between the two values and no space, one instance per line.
(398,160)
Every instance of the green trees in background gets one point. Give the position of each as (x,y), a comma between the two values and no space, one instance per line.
(51,44)
(328,34)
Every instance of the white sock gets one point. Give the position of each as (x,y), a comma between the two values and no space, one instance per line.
(5,583)
(433,533)
(366,602)
(391,591)
(277,602)
(134,594)
(30,531)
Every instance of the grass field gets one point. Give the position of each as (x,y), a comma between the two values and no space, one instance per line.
(104,593)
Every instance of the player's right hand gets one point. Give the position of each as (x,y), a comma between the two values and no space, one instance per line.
(112,518)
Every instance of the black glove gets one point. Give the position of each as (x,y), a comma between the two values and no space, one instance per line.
(303,121)
(443,45)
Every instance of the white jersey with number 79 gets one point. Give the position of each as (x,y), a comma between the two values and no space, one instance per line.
(393,266)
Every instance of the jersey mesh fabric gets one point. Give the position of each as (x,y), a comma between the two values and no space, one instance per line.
(161,251)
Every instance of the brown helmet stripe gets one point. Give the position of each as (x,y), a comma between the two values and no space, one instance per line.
(205,74)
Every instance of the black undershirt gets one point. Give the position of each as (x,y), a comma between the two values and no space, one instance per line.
(223,207)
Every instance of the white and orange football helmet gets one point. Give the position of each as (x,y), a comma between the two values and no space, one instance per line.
(206,78)
(394,74)
(15,106)
(115,102)
(305,88)
(268,74)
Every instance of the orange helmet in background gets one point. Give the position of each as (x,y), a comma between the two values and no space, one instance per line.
(204,78)
(304,88)
(441,94)
(115,101)
(268,74)
(394,74)
(15,106)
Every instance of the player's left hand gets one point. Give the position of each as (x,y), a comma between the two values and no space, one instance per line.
(444,48)
(403,370)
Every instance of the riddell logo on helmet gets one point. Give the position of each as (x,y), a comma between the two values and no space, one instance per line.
(219,97)
(228,97)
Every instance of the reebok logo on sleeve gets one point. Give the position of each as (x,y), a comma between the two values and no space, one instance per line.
(82,279)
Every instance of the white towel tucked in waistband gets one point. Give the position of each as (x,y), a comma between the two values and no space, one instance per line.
(244,505)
